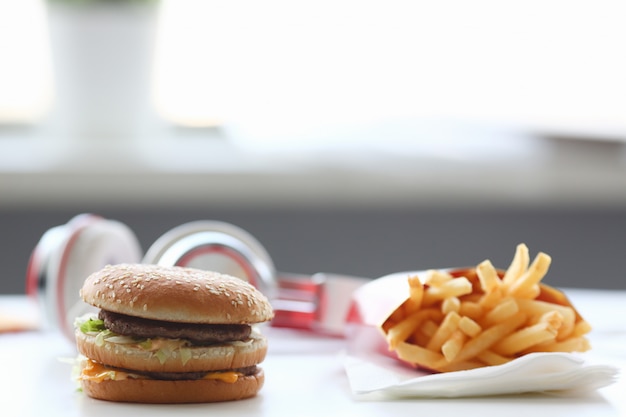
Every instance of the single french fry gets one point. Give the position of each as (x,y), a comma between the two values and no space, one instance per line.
(395,317)
(418,338)
(573,344)
(533,275)
(403,329)
(419,355)
(488,276)
(444,366)
(553,318)
(414,281)
(581,328)
(445,330)
(524,339)
(416,294)
(489,337)
(469,326)
(539,308)
(453,288)
(535,309)
(429,328)
(491,358)
(435,277)
(490,299)
(453,345)
(450,304)
(471,309)
(519,264)
(529,293)
(501,312)
(424,333)
(474,297)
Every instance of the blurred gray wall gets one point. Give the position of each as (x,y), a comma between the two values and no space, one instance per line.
(588,246)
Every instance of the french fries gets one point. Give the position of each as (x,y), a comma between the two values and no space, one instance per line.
(483,316)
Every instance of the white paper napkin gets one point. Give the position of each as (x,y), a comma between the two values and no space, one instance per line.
(537,372)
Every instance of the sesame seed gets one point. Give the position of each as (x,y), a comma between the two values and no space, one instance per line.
(145,307)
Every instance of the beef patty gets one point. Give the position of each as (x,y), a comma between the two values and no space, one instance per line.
(201,334)
(180,376)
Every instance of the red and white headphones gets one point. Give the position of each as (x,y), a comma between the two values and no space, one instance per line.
(65,255)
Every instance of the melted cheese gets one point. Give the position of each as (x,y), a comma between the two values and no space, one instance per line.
(96,372)
(228,376)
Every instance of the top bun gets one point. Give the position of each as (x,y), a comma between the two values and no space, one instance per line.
(175,294)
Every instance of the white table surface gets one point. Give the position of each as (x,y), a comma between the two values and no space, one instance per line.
(304,377)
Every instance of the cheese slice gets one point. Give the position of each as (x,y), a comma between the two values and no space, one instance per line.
(96,372)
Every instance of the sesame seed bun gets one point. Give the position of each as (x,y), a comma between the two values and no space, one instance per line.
(175,294)
(169,392)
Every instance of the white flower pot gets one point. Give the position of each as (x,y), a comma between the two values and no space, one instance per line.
(102,56)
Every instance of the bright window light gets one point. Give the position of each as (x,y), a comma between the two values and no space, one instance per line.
(281,70)
(25,65)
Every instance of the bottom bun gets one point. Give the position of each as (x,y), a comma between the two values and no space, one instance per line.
(170,392)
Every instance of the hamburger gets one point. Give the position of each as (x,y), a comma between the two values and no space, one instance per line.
(170,335)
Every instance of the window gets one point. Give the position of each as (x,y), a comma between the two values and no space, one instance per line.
(279,73)
(321,98)
(282,70)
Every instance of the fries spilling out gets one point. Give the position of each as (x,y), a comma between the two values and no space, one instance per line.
(469,318)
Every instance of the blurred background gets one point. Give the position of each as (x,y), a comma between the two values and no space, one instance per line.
(356,137)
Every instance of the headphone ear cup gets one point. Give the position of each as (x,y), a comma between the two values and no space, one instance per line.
(216,246)
(69,254)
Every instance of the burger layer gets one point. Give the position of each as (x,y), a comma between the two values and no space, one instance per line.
(198,333)
(114,385)
(182,295)
(170,355)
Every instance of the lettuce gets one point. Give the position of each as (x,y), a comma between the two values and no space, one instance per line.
(103,335)
(92,325)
